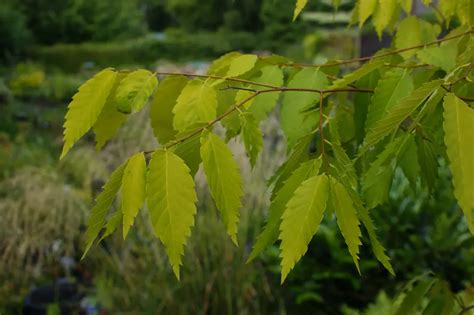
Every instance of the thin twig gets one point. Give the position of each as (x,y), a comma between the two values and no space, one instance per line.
(216,77)
(362,59)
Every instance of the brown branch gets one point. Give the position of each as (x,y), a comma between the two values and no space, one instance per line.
(362,59)
(466,309)
(216,77)
(323,91)
(210,123)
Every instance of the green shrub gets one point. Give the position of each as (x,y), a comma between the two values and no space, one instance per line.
(177,45)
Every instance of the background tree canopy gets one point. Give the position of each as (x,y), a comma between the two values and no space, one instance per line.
(311,179)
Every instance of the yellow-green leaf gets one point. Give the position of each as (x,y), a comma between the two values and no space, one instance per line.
(161,110)
(398,112)
(391,88)
(110,119)
(221,65)
(366,9)
(133,190)
(300,4)
(347,218)
(295,122)
(86,106)
(197,103)
(112,223)
(377,248)
(412,32)
(459,139)
(134,90)
(384,14)
(270,232)
(264,103)
(301,219)
(102,205)
(241,65)
(224,180)
(171,201)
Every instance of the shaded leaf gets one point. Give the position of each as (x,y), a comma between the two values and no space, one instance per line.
(252,136)
(161,110)
(110,119)
(398,111)
(270,232)
(459,139)
(102,205)
(133,190)
(134,90)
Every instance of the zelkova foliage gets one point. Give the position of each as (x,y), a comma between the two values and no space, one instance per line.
(408,106)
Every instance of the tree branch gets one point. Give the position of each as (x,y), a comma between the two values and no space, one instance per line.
(362,59)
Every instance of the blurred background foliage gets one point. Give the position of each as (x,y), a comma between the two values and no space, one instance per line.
(49,47)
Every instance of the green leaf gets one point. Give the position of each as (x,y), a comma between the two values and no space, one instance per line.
(241,65)
(398,111)
(252,136)
(264,103)
(443,56)
(464,12)
(428,162)
(295,122)
(161,111)
(112,223)
(364,70)
(232,122)
(171,201)
(409,163)
(412,32)
(300,4)
(102,205)
(197,103)
(189,152)
(378,178)
(366,9)
(301,219)
(361,104)
(220,66)
(391,88)
(383,15)
(347,218)
(270,232)
(344,163)
(299,155)
(459,139)
(133,190)
(414,297)
(447,9)
(224,180)
(377,248)
(406,5)
(134,91)
(86,106)
(110,119)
